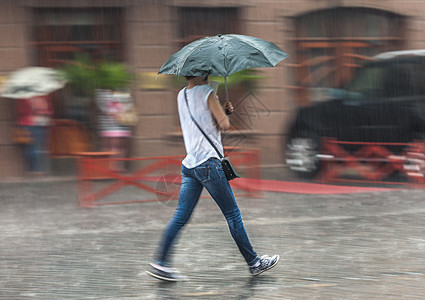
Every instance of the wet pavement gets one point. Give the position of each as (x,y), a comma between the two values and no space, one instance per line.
(351,246)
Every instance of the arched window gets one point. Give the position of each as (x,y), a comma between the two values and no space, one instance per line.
(332,43)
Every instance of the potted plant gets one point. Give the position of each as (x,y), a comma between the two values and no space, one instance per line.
(113,76)
(81,76)
(85,78)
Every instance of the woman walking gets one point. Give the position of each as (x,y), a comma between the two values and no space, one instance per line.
(202,168)
(34,116)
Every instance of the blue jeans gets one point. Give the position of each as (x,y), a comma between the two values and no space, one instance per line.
(211,176)
(34,153)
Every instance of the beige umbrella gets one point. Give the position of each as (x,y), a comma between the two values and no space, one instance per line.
(32,81)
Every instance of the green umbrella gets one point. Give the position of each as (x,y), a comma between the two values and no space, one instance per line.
(223,55)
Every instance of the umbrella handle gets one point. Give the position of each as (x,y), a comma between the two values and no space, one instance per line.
(228,112)
(227,92)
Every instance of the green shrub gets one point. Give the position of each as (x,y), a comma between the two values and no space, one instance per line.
(85,77)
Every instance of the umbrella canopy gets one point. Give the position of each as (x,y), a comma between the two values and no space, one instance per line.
(223,55)
(32,81)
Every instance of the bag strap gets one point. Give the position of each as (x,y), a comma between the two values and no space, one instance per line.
(199,127)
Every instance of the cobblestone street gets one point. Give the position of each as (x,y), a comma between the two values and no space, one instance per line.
(346,246)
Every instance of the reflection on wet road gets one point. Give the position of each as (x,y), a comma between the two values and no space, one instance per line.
(358,246)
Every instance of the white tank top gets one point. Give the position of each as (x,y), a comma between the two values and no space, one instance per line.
(198,149)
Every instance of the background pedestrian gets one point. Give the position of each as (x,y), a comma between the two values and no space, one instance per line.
(34,116)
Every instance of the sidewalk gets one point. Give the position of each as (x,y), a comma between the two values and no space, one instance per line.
(351,246)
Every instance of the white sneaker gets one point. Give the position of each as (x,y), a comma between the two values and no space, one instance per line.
(164,273)
(265,263)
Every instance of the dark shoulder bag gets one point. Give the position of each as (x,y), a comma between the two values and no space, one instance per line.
(228,168)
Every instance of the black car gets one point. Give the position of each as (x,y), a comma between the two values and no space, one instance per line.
(385,102)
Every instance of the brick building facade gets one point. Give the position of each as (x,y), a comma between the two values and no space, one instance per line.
(325,40)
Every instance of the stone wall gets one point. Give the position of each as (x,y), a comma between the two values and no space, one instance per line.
(13,55)
(151,35)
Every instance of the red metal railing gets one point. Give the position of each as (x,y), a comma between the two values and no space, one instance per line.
(372,162)
(163,172)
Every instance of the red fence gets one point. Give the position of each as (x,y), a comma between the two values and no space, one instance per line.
(372,162)
(158,176)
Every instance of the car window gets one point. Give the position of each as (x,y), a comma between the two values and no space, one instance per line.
(393,79)
(411,79)
(368,82)
(397,80)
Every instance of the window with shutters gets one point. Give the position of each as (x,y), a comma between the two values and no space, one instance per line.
(198,22)
(59,33)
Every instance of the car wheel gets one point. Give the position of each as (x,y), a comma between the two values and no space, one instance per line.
(302,154)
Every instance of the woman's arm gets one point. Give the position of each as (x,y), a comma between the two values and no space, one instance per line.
(218,111)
